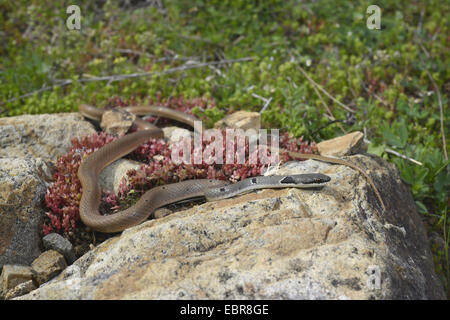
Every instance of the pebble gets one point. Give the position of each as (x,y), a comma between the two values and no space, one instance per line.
(54,241)
(13,275)
(48,265)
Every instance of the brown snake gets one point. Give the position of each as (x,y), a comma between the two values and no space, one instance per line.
(92,165)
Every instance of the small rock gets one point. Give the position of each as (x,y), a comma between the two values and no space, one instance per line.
(349,144)
(111,177)
(158,157)
(20,290)
(13,275)
(240,120)
(117,121)
(174,134)
(48,265)
(54,241)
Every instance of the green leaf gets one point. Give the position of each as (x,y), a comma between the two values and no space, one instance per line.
(421,207)
(442,182)
(376,149)
(391,138)
(407,173)
(403,134)
(421,173)
(442,167)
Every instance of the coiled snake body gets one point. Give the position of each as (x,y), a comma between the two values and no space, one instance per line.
(157,197)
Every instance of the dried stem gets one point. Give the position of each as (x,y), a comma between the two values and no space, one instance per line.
(395,153)
(441,113)
(121,77)
(318,86)
(333,119)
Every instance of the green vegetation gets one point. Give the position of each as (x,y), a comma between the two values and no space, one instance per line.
(395,79)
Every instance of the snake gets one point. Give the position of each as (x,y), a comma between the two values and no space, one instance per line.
(210,189)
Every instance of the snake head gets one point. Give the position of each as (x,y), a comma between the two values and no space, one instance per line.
(308,180)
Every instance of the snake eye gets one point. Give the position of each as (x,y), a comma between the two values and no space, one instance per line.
(254,180)
(222,189)
(287,179)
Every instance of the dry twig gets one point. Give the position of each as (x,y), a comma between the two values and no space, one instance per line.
(395,153)
(121,77)
(318,86)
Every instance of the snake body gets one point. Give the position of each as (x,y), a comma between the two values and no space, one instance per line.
(154,198)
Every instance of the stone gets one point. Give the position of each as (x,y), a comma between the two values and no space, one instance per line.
(45,136)
(13,275)
(111,177)
(349,144)
(29,148)
(117,121)
(174,134)
(23,185)
(20,289)
(49,264)
(55,241)
(240,120)
(333,243)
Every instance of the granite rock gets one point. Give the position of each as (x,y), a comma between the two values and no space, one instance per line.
(333,243)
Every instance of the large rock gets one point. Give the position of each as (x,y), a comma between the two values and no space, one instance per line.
(333,243)
(45,136)
(23,183)
(29,145)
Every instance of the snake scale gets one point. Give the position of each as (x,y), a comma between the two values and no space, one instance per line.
(92,165)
